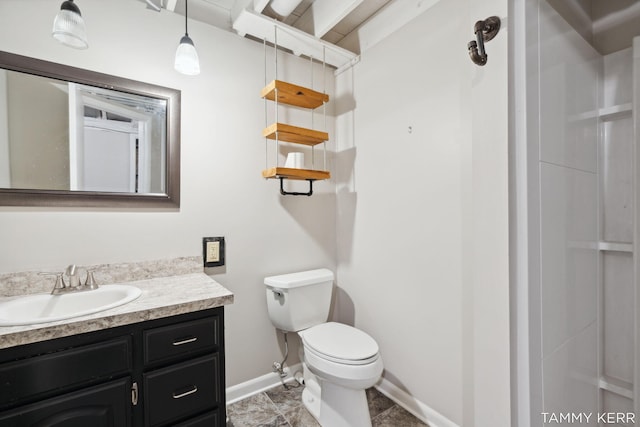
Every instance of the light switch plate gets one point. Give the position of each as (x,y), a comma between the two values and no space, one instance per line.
(213,251)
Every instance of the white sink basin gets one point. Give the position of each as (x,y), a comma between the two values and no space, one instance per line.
(43,308)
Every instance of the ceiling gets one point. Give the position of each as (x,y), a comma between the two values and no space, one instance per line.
(607,25)
(327,21)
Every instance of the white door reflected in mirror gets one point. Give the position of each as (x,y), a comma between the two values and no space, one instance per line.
(69,136)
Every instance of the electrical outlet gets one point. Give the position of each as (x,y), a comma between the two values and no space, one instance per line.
(213,251)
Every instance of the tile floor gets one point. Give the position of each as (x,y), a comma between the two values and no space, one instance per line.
(283,408)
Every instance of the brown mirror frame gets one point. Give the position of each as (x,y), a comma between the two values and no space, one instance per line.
(56,198)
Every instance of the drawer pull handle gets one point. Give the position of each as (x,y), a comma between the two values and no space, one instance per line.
(186,393)
(185,341)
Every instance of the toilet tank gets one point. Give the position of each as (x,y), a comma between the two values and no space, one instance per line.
(297,301)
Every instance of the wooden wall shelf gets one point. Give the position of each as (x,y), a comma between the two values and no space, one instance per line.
(295,134)
(298,174)
(295,95)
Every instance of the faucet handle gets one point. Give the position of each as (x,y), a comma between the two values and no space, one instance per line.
(59,286)
(91,283)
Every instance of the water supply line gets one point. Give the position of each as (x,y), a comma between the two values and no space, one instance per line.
(279,367)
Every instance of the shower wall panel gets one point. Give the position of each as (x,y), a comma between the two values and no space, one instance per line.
(582,269)
(617,173)
(618,309)
(569,71)
(616,280)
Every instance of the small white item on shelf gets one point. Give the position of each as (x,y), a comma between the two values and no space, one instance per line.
(295,160)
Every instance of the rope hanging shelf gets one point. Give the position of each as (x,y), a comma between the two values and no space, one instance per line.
(281,92)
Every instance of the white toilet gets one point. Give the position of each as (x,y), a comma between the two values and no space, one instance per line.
(339,361)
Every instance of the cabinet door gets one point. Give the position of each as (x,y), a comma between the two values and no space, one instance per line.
(59,371)
(106,405)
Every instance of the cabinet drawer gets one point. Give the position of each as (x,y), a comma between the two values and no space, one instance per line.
(178,340)
(60,370)
(180,390)
(103,405)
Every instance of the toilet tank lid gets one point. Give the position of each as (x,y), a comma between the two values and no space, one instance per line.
(302,278)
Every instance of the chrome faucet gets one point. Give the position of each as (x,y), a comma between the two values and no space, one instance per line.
(72,272)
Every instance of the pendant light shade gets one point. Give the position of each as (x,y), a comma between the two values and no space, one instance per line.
(187,58)
(187,61)
(68,26)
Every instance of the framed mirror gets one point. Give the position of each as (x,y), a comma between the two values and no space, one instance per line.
(73,137)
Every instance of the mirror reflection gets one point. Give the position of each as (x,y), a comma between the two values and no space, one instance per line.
(60,135)
(74,137)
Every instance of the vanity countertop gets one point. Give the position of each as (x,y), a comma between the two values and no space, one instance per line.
(161,297)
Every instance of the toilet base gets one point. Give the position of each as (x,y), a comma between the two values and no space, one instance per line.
(333,405)
(343,407)
(311,396)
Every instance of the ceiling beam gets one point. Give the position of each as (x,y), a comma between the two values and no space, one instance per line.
(240,5)
(297,41)
(384,22)
(322,16)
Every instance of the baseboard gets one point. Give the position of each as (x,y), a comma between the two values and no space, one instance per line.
(259,384)
(413,405)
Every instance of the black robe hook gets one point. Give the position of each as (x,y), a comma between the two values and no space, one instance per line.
(484,30)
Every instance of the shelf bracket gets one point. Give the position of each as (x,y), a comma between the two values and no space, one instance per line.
(295,193)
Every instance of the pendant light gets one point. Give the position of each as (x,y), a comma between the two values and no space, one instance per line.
(68,26)
(186,56)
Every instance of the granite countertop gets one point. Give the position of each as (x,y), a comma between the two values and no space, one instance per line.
(161,297)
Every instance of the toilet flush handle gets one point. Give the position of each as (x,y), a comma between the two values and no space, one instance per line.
(279,292)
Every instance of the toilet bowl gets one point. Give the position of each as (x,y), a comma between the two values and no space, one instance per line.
(342,354)
(345,361)
(339,361)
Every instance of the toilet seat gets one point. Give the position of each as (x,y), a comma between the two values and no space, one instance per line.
(340,343)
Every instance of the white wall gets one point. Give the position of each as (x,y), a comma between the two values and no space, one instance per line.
(422,212)
(223,193)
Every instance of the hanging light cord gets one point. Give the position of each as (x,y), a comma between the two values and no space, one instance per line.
(186,14)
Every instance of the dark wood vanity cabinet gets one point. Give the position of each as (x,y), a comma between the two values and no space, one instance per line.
(165,372)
